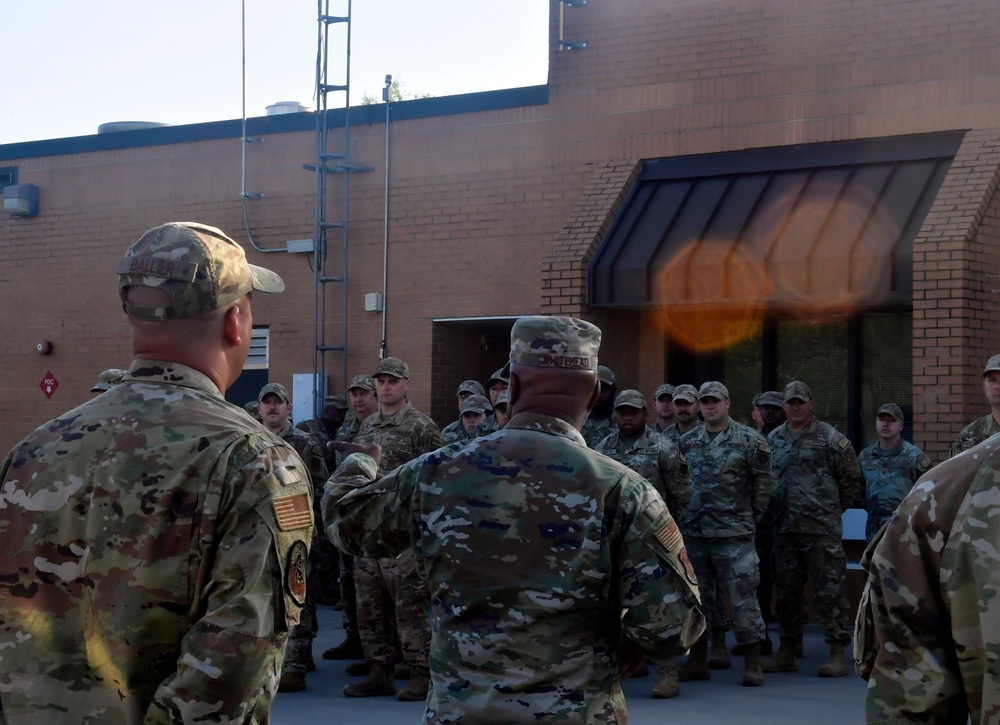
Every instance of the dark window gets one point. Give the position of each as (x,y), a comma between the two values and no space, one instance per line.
(8,176)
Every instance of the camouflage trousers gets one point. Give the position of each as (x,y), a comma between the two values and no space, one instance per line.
(408,603)
(298,648)
(727,567)
(799,558)
(348,595)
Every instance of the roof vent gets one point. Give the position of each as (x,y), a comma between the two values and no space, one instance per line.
(282,107)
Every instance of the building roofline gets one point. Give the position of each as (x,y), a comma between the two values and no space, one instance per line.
(282,123)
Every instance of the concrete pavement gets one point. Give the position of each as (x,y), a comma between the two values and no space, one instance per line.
(790,699)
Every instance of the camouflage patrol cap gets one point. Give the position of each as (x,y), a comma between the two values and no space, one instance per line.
(713,389)
(336,401)
(993,364)
(473,387)
(502,398)
(107,380)
(392,366)
(797,390)
(198,266)
(276,388)
(892,409)
(771,397)
(664,389)
(251,407)
(685,392)
(605,375)
(476,404)
(630,399)
(555,342)
(503,375)
(364,382)
(756,400)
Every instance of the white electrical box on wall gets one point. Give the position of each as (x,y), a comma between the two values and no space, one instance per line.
(373,302)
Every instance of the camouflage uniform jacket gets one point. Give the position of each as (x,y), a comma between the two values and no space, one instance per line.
(153,545)
(540,554)
(658,461)
(455,431)
(489,425)
(404,435)
(312,456)
(318,430)
(928,627)
(594,431)
(889,476)
(731,480)
(817,478)
(674,435)
(974,434)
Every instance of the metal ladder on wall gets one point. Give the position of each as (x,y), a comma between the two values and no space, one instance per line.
(332,160)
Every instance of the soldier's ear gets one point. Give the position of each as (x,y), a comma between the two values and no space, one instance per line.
(596,394)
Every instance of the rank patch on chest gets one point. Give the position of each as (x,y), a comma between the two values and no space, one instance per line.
(292,512)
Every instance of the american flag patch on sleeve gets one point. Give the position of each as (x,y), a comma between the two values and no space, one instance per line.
(668,534)
(292,512)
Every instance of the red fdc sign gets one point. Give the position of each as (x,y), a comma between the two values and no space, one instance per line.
(49,384)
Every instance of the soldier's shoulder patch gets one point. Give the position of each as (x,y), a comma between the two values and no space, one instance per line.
(842,442)
(924,463)
(288,474)
(295,572)
(293,511)
(668,534)
(688,568)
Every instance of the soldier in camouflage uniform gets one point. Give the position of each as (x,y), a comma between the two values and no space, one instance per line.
(501,411)
(817,480)
(274,406)
(772,414)
(455,431)
(890,468)
(989,425)
(403,433)
(926,636)
(731,484)
(663,402)
(494,386)
(364,402)
(324,429)
(550,565)
(636,445)
(154,540)
(600,421)
(474,411)
(107,380)
(685,404)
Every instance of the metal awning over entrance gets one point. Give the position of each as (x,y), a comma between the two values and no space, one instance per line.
(823,225)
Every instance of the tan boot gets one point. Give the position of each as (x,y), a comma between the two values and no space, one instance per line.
(719,657)
(835,665)
(349,649)
(668,686)
(378,682)
(292,682)
(785,660)
(359,669)
(752,674)
(696,665)
(416,690)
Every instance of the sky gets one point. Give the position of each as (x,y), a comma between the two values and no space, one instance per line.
(72,65)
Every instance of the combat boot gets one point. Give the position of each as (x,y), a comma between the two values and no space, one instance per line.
(402,672)
(349,649)
(292,682)
(835,665)
(696,665)
(378,682)
(767,646)
(416,690)
(719,657)
(752,674)
(785,660)
(668,685)
(359,669)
